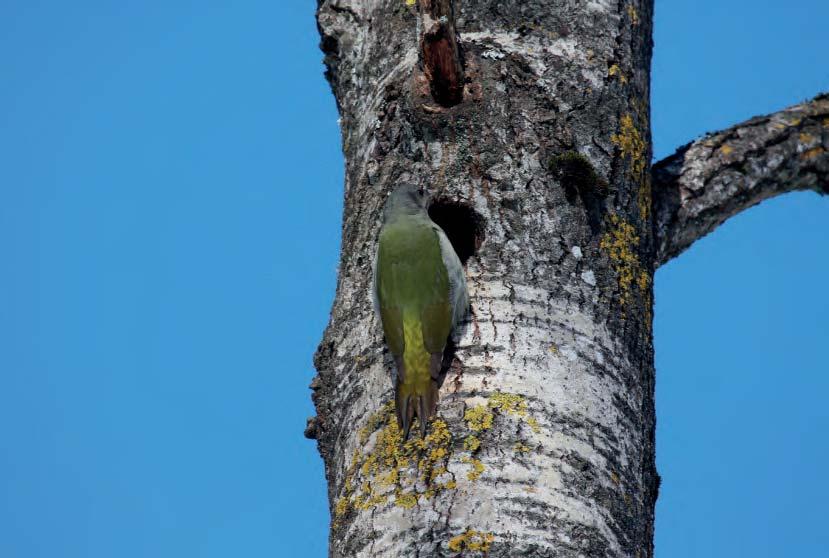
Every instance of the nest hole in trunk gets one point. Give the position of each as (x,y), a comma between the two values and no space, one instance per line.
(463,226)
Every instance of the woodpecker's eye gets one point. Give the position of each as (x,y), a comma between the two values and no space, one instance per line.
(421,192)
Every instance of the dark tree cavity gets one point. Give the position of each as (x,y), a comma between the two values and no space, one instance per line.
(462,224)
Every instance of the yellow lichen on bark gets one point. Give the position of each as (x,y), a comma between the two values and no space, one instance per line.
(633,15)
(391,469)
(644,280)
(477,468)
(615,70)
(621,244)
(481,418)
(405,501)
(478,418)
(509,403)
(341,508)
(473,541)
(514,405)
(471,443)
(632,146)
(630,143)
(385,470)
(375,421)
(645,196)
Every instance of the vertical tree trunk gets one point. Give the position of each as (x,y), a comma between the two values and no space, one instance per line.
(545,441)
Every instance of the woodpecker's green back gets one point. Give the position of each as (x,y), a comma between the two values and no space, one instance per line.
(417,295)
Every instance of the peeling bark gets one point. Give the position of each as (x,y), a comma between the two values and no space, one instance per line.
(544,441)
(707,181)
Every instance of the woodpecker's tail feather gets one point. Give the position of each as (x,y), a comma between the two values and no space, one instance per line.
(423,406)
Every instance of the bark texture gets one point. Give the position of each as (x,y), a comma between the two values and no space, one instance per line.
(544,444)
(707,181)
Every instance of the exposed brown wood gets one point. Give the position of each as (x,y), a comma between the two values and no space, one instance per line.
(440,53)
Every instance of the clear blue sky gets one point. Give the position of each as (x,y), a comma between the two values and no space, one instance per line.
(171,186)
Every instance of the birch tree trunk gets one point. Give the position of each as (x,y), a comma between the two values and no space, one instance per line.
(528,121)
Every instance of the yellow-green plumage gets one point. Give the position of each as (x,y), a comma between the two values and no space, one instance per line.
(416,304)
(416,360)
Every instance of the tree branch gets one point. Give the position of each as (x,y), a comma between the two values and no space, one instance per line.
(709,180)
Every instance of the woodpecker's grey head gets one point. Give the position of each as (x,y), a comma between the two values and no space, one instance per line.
(406,199)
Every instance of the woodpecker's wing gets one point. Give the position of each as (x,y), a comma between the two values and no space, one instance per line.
(458,294)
